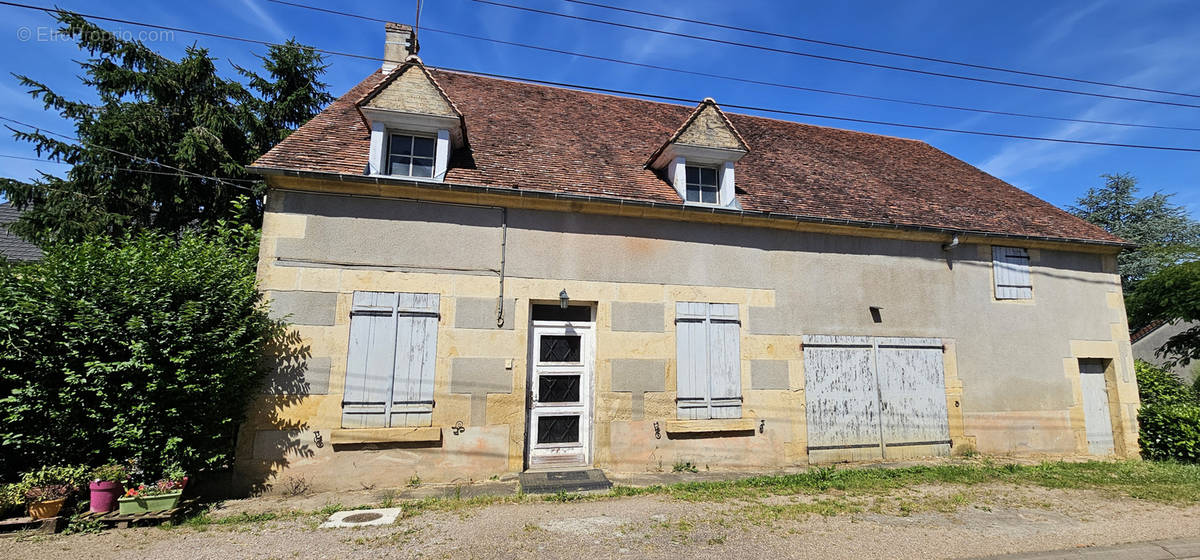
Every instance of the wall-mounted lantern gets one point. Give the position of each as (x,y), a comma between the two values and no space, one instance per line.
(563,299)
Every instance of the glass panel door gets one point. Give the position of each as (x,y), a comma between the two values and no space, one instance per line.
(560,380)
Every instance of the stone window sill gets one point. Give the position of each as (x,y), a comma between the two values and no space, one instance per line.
(710,426)
(386,435)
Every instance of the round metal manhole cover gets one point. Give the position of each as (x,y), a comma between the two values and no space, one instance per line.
(361,517)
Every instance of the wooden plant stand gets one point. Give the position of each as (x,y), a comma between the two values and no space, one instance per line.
(23,525)
(123,521)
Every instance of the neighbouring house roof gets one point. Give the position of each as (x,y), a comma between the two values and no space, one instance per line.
(1146,330)
(13,247)
(538,138)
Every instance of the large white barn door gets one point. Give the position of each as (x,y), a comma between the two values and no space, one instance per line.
(842,399)
(871,398)
(912,392)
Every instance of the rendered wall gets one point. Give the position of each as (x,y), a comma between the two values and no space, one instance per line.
(1147,349)
(1012,386)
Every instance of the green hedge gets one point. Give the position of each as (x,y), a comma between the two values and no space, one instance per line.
(1169,417)
(147,349)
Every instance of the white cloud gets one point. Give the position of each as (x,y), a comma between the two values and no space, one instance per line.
(264,19)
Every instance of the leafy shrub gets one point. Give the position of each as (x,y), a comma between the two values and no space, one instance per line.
(1159,386)
(1170,432)
(49,483)
(112,472)
(145,348)
(1169,417)
(11,499)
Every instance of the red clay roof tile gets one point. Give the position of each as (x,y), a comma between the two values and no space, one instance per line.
(561,140)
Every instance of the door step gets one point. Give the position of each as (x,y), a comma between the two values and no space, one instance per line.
(553,482)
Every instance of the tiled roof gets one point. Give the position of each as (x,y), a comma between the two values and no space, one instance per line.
(533,137)
(1146,330)
(13,247)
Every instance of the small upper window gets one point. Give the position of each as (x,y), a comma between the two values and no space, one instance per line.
(1010,271)
(411,156)
(701,184)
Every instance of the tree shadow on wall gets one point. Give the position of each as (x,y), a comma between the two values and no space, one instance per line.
(267,440)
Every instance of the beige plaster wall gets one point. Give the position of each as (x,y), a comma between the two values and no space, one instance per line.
(1009,384)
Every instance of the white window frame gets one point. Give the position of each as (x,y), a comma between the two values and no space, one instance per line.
(1012,273)
(700,186)
(411,138)
(385,123)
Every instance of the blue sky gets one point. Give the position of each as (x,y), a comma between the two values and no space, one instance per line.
(1150,43)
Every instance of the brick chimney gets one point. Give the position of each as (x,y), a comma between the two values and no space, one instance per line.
(400,41)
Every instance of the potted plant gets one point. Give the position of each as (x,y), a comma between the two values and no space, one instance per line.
(47,489)
(159,496)
(108,483)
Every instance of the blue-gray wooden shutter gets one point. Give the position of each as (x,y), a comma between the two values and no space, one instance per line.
(1010,266)
(708,358)
(416,356)
(390,360)
(370,360)
(691,354)
(724,361)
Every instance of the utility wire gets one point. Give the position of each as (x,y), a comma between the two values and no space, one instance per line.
(879,51)
(834,58)
(649,95)
(745,80)
(220,180)
(10,156)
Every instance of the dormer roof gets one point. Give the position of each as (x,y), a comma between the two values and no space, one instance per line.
(706,127)
(411,92)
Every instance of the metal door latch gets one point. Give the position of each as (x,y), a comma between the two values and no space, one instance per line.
(458,428)
(657,433)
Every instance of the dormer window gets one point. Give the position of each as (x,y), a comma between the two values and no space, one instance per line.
(414,126)
(411,156)
(698,159)
(701,184)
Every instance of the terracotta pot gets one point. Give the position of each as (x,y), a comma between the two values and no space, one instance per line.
(103,496)
(47,509)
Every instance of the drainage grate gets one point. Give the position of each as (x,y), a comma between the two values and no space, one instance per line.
(361,517)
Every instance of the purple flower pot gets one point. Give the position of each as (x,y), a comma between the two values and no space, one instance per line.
(104,495)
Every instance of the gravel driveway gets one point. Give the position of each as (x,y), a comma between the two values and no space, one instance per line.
(937,521)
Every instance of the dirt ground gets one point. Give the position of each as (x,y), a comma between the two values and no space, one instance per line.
(937,521)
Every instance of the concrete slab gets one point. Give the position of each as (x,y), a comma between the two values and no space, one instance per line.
(361,518)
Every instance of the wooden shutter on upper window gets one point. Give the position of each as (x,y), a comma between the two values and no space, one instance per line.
(370,360)
(1010,266)
(416,356)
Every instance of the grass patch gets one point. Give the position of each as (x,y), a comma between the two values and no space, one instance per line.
(1159,482)
(1163,482)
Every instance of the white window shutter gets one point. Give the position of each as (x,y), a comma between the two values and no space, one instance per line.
(369,361)
(416,356)
(724,361)
(1010,266)
(708,358)
(691,359)
(390,361)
